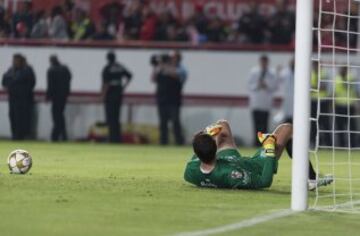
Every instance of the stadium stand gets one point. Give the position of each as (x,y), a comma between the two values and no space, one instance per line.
(179,21)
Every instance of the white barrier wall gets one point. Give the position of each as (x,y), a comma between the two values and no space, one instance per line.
(210,73)
(224,73)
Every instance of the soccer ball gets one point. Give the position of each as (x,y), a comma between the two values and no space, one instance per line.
(19,162)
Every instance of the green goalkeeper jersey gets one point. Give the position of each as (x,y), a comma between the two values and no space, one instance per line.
(233,171)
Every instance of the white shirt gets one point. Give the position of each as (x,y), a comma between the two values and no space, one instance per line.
(287,79)
(262,98)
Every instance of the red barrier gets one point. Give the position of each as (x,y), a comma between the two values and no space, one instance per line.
(146,44)
(149,99)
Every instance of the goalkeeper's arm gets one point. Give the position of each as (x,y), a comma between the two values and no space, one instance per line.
(222,134)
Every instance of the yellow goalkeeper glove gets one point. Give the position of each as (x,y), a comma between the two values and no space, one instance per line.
(213,129)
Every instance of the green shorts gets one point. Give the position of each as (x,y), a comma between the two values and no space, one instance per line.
(261,159)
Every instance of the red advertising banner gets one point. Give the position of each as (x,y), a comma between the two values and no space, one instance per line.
(225,9)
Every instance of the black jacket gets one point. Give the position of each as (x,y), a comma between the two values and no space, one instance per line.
(58,82)
(168,91)
(20,82)
(113,75)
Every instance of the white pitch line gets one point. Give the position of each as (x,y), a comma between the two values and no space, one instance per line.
(240,225)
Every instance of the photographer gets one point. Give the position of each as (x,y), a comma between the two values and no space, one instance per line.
(169,76)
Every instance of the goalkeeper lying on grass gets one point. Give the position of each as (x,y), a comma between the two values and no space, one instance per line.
(218,164)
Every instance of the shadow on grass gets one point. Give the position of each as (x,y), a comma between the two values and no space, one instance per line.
(232,191)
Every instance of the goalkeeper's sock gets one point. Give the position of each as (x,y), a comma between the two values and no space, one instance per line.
(289,148)
(312,173)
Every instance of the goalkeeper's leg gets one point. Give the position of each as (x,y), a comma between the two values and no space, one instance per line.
(275,143)
(313,182)
(283,134)
(312,173)
(283,137)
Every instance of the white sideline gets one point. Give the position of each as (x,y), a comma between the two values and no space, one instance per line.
(240,225)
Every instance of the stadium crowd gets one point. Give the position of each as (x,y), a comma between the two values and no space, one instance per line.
(136,20)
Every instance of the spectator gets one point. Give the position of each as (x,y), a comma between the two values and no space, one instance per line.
(326,35)
(340,34)
(148,28)
(262,84)
(345,104)
(22,21)
(113,86)
(58,27)
(40,29)
(82,27)
(133,20)
(19,82)
(353,24)
(323,92)
(282,24)
(169,76)
(252,25)
(200,21)
(215,31)
(165,21)
(67,10)
(287,78)
(176,33)
(58,90)
(113,17)
(102,33)
(5,28)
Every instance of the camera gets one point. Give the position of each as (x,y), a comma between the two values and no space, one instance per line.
(157,59)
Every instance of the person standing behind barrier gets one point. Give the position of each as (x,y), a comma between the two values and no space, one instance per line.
(58,90)
(345,101)
(262,84)
(169,76)
(287,77)
(320,91)
(57,25)
(113,85)
(19,82)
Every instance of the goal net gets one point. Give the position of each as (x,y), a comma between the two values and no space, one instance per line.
(335,114)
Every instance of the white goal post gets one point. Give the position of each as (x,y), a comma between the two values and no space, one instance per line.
(303,52)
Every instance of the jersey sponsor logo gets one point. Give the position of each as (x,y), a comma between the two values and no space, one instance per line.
(236,174)
(207,183)
(243,176)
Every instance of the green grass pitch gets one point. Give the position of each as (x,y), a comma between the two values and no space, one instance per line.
(89,189)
